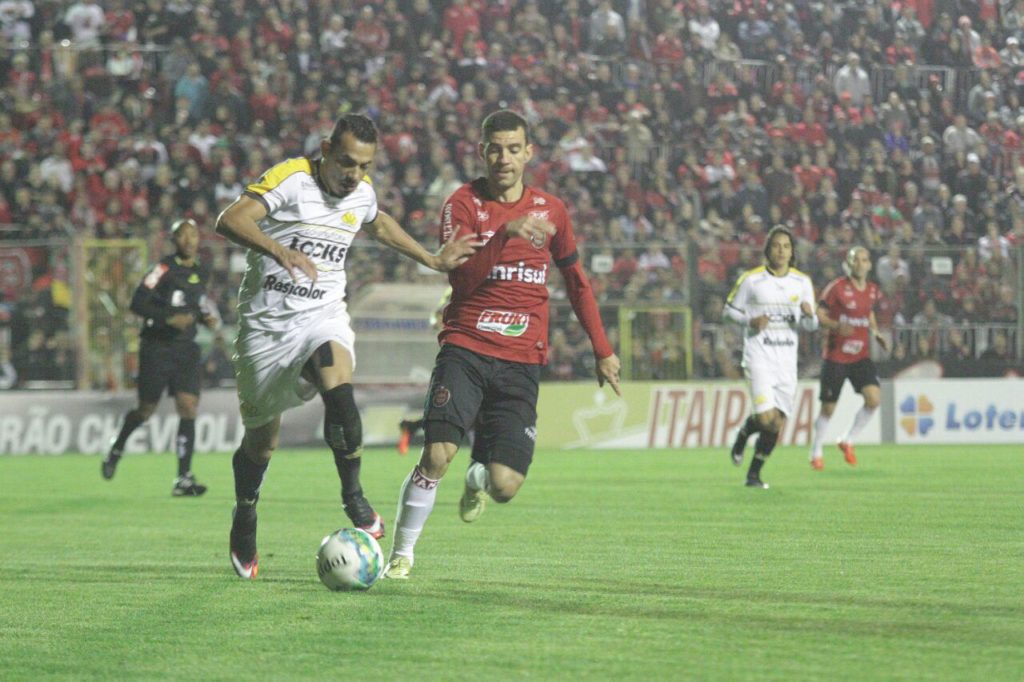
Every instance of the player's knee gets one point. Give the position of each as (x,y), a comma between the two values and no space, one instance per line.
(504,486)
(872,399)
(767,420)
(145,410)
(343,428)
(828,409)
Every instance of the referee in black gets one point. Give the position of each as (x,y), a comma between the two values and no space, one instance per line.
(170,300)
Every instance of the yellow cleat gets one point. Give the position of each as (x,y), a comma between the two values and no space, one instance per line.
(398,568)
(471,506)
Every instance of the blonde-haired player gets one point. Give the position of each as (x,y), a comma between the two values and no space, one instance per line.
(772,303)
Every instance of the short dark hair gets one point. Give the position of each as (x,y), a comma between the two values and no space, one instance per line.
(360,126)
(504,120)
(774,232)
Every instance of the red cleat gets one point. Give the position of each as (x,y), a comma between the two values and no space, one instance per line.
(847,449)
(403,442)
(817,463)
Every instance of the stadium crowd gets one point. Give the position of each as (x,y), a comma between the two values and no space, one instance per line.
(678,131)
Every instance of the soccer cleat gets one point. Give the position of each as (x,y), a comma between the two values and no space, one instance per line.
(738,446)
(817,463)
(756,482)
(398,568)
(244,558)
(408,428)
(109,465)
(848,455)
(364,517)
(187,486)
(471,505)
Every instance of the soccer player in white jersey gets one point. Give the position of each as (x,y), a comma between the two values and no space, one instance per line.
(771,303)
(294,339)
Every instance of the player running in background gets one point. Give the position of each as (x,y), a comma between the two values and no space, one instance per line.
(846,310)
(170,300)
(495,334)
(294,339)
(771,303)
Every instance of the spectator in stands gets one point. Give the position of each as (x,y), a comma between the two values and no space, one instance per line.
(853,80)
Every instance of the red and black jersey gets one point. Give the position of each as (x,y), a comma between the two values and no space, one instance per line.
(499,303)
(846,303)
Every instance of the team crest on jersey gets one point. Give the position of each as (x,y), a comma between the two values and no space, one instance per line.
(794,298)
(349,218)
(193,278)
(441,397)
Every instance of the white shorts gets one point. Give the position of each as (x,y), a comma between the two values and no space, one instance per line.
(268,365)
(770,388)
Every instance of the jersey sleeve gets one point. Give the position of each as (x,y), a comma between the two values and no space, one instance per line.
(276,187)
(146,301)
(736,303)
(458,217)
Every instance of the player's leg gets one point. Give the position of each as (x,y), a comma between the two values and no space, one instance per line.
(330,368)
(760,388)
(833,375)
(249,464)
(156,367)
(185,387)
(771,422)
(501,459)
(453,401)
(771,405)
(864,378)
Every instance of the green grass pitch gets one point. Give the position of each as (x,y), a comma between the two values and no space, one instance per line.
(608,565)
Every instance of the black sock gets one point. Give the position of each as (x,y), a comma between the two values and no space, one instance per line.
(766,443)
(248,477)
(749,428)
(132,420)
(343,431)
(348,472)
(185,444)
(756,462)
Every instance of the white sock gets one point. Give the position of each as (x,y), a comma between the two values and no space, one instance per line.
(415,502)
(864,415)
(478,477)
(820,425)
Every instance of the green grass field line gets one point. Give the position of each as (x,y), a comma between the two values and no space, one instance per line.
(608,565)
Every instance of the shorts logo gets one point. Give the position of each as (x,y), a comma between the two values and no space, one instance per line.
(503,322)
(531,433)
(441,397)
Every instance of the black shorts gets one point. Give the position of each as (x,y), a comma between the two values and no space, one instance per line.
(173,366)
(497,398)
(833,374)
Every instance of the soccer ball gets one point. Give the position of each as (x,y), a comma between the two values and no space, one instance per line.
(349,559)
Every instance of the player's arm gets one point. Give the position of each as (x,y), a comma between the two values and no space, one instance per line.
(453,253)
(808,317)
(581,295)
(876,332)
(149,304)
(735,309)
(239,222)
(471,274)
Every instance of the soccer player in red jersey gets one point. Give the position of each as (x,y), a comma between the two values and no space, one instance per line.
(846,310)
(495,334)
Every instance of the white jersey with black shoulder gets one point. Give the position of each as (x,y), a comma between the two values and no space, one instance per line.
(301,216)
(760,292)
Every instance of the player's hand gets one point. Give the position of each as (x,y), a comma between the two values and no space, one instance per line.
(292,261)
(759,322)
(531,228)
(456,251)
(181,321)
(608,370)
